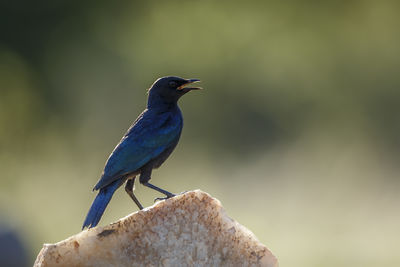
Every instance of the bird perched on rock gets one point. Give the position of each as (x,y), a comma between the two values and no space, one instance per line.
(145,146)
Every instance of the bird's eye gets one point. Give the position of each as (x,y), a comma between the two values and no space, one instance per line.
(172,84)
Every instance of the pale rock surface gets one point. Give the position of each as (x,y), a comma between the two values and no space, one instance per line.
(191,229)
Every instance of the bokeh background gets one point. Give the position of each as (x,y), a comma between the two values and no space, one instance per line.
(297,130)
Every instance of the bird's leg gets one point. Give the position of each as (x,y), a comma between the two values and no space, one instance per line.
(166,193)
(145,176)
(129,187)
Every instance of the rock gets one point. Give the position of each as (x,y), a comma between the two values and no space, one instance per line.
(191,229)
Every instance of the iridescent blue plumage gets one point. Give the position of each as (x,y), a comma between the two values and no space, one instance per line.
(145,146)
(148,137)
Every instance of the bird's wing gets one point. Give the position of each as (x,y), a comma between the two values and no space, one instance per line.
(147,138)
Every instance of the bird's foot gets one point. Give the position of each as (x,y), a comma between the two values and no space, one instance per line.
(164,198)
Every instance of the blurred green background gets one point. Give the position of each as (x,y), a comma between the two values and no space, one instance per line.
(297,130)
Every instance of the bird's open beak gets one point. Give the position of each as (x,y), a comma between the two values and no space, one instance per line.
(189,81)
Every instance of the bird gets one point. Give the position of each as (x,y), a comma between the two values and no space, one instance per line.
(145,146)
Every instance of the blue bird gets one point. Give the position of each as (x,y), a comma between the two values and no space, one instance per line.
(145,146)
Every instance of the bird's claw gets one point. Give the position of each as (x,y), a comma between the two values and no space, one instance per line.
(163,198)
(159,199)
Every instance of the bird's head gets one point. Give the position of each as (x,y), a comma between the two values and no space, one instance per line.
(169,89)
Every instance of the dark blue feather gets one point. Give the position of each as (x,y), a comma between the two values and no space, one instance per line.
(99,204)
(150,135)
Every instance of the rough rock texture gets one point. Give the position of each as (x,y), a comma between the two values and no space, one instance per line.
(188,230)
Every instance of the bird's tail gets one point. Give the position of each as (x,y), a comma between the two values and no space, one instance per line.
(99,204)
